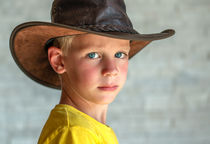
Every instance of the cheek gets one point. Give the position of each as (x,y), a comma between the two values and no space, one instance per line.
(123,73)
(124,69)
(87,73)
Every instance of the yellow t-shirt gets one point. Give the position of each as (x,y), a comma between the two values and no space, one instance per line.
(67,125)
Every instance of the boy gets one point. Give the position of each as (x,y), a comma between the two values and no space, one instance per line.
(85,53)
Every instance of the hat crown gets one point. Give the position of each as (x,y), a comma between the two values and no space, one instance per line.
(91,14)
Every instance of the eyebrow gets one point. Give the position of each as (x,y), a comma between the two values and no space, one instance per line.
(87,47)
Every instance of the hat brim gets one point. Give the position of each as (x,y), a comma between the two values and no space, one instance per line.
(28,40)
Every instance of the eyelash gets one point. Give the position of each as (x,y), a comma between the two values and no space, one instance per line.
(89,55)
(124,55)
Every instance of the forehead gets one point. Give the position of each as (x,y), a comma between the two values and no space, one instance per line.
(86,41)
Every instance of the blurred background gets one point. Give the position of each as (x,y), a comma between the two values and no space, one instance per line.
(166,97)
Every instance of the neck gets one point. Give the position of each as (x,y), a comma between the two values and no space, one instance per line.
(96,111)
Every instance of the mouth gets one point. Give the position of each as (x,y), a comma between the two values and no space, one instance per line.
(108,88)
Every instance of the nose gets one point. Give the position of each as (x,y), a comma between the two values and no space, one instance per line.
(110,68)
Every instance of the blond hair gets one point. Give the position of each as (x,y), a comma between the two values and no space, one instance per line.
(64,43)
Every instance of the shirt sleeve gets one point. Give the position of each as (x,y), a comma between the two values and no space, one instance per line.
(73,135)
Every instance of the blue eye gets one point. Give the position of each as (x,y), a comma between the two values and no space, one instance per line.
(93,55)
(120,55)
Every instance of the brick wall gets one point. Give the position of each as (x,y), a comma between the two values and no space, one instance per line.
(166,97)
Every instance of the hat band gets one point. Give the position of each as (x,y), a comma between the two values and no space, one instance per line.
(109,28)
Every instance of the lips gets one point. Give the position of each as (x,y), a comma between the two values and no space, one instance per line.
(108,88)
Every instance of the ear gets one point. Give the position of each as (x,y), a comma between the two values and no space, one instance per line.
(56,60)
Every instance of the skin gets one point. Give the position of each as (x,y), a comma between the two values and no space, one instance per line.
(90,84)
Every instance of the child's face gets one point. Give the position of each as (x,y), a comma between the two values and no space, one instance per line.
(96,67)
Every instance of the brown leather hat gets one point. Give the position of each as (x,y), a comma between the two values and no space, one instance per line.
(72,17)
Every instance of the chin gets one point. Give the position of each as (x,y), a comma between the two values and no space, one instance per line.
(107,99)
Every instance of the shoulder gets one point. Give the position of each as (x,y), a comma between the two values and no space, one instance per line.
(70,135)
(65,124)
(68,116)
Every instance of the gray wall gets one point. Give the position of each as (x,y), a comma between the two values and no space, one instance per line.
(166,97)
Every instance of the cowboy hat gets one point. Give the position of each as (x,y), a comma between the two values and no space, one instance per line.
(73,17)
